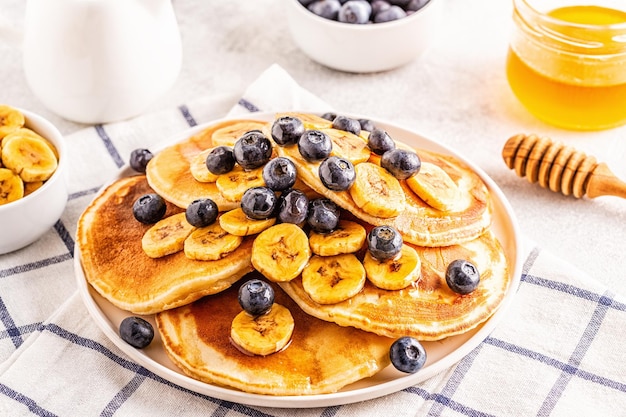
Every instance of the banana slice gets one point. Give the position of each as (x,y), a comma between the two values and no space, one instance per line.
(233,184)
(210,243)
(198,169)
(237,223)
(348,237)
(167,236)
(376,191)
(264,334)
(30,157)
(11,186)
(433,185)
(31,187)
(227,136)
(332,279)
(281,252)
(348,145)
(11,119)
(310,121)
(394,274)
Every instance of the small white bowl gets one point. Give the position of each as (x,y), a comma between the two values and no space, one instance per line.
(363,48)
(25,220)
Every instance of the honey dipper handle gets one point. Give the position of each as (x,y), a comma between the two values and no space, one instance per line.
(603,182)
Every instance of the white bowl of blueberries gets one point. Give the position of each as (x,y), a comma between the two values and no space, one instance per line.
(363,36)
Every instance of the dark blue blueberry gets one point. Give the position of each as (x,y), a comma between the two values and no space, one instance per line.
(323,216)
(279,174)
(256,297)
(252,150)
(149,208)
(293,207)
(355,11)
(329,116)
(136,331)
(201,212)
(366,124)
(347,124)
(415,5)
(401,163)
(220,160)
(139,159)
(328,9)
(384,242)
(378,6)
(315,145)
(306,2)
(407,355)
(462,276)
(380,142)
(287,130)
(392,13)
(258,203)
(399,3)
(336,173)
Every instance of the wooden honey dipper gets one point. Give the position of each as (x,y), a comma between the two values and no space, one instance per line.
(560,168)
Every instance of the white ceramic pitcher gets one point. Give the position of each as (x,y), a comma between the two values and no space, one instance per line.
(98,61)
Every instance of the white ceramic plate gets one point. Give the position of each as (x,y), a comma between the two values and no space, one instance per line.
(441,354)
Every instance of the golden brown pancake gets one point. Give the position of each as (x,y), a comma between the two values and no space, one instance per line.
(114,263)
(322,357)
(427,310)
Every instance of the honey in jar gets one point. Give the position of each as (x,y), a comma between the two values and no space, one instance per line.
(567,64)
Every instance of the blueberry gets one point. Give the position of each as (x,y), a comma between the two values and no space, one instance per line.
(258,203)
(355,11)
(336,173)
(407,354)
(401,163)
(293,207)
(462,276)
(315,145)
(139,159)
(346,123)
(399,3)
(366,124)
(379,5)
(136,331)
(323,216)
(390,14)
(256,297)
(329,116)
(287,130)
(149,208)
(252,150)
(279,174)
(201,212)
(384,242)
(220,160)
(306,2)
(328,9)
(415,5)
(380,142)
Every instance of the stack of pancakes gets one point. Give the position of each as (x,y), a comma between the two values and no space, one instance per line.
(332,345)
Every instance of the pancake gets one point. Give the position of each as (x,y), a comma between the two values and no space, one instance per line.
(428,309)
(321,358)
(114,263)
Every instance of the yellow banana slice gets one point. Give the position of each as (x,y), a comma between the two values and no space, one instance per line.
(310,121)
(433,185)
(265,334)
(348,237)
(24,131)
(233,184)
(210,243)
(237,223)
(348,145)
(167,236)
(11,186)
(332,279)
(11,119)
(281,252)
(30,157)
(31,187)
(227,136)
(376,191)
(394,274)
(198,169)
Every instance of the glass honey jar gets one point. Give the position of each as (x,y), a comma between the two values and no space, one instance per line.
(567,61)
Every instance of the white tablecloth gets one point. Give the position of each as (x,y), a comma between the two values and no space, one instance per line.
(559,351)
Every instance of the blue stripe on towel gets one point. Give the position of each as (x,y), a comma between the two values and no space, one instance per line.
(187,115)
(28,402)
(248,105)
(109,146)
